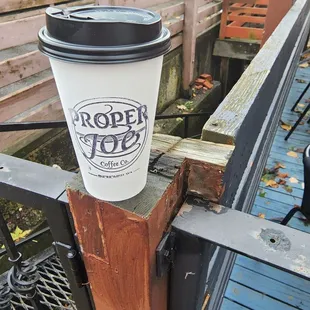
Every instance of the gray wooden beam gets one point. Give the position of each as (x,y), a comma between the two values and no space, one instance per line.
(231,48)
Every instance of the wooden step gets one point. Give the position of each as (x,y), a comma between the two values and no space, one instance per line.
(19,62)
(22,95)
(50,109)
(24,29)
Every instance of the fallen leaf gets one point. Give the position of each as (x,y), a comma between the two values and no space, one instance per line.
(182,107)
(261,215)
(268,176)
(198,87)
(286,127)
(179,119)
(272,183)
(299,150)
(281,182)
(288,188)
(296,206)
(18,234)
(282,175)
(304,65)
(302,123)
(293,180)
(301,81)
(292,154)
(262,194)
(301,105)
(279,165)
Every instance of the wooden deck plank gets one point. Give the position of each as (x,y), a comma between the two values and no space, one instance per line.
(296,191)
(271,287)
(288,198)
(269,214)
(230,305)
(252,299)
(270,204)
(274,273)
(260,286)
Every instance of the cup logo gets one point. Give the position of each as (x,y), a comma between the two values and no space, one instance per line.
(111,132)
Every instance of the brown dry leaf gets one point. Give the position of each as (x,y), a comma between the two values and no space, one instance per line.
(299,150)
(272,183)
(305,56)
(286,127)
(288,188)
(282,175)
(279,165)
(292,154)
(281,182)
(261,215)
(296,206)
(301,81)
(304,65)
(293,180)
(182,107)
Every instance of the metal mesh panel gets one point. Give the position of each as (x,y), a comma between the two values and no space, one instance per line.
(53,288)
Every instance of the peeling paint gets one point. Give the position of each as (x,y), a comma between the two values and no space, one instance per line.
(302,265)
(189,274)
(215,208)
(4,169)
(275,239)
(185,208)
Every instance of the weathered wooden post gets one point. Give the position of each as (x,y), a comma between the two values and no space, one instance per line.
(274,16)
(189,41)
(119,240)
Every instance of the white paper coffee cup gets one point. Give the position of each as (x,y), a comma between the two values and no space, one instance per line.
(108,91)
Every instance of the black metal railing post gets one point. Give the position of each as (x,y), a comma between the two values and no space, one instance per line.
(66,248)
(23,276)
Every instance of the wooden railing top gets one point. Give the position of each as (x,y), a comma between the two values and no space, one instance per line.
(224,124)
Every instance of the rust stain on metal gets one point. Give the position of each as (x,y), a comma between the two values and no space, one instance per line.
(205,180)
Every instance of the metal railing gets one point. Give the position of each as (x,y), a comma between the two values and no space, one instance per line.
(45,282)
(23,286)
(18,126)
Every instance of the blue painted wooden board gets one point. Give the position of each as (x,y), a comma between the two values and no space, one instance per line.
(275,205)
(274,273)
(272,215)
(277,195)
(271,287)
(230,305)
(253,299)
(297,191)
(254,285)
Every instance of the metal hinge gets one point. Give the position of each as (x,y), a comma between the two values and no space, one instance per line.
(165,253)
(75,262)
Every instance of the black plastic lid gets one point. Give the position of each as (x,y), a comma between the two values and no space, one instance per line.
(103,34)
